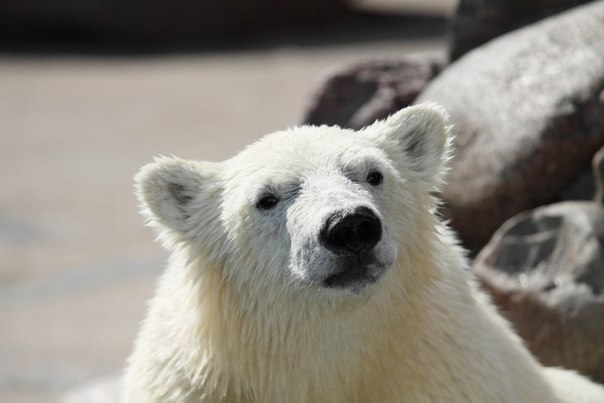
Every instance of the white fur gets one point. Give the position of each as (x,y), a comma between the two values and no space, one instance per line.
(240,314)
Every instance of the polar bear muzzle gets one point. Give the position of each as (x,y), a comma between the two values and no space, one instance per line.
(352,237)
(351,233)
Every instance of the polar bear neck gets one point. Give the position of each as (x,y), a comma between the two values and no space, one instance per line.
(257,348)
(244,349)
(303,356)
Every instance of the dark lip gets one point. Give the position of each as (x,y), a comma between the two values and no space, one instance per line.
(355,273)
(356,278)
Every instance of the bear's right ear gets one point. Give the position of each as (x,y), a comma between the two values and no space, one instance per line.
(422,133)
(172,192)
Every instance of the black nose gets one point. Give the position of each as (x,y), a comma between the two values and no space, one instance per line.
(352,232)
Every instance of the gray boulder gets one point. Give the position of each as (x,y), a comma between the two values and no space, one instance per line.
(356,95)
(528,110)
(545,271)
(478,21)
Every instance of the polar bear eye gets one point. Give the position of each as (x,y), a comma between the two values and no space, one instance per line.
(375,178)
(267,202)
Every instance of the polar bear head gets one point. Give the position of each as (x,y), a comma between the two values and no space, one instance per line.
(310,208)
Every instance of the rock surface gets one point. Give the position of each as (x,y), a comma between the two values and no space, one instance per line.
(478,21)
(545,271)
(357,95)
(528,110)
(589,184)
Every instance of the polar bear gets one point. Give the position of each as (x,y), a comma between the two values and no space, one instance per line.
(313,267)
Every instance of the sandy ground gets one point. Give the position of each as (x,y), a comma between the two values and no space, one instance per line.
(76,263)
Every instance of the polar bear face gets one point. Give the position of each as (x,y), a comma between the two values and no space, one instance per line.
(319,208)
(316,194)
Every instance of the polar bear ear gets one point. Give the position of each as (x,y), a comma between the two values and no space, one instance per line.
(172,192)
(422,133)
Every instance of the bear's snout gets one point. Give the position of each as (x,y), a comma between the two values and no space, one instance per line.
(351,232)
(353,238)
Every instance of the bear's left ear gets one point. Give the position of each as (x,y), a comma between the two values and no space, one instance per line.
(175,193)
(422,133)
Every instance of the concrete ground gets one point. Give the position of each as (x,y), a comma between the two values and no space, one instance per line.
(76,263)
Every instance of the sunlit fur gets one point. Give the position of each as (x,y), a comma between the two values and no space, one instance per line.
(240,315)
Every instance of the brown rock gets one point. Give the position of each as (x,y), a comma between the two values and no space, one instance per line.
(478,21)
(528,110)
(357,95)
(545,271)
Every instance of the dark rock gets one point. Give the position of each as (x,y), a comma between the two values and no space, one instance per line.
(545,271)
(154,20)
(528,110)
(589,184)
(357,95)
(581,188)
(597,164)
(478,21)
